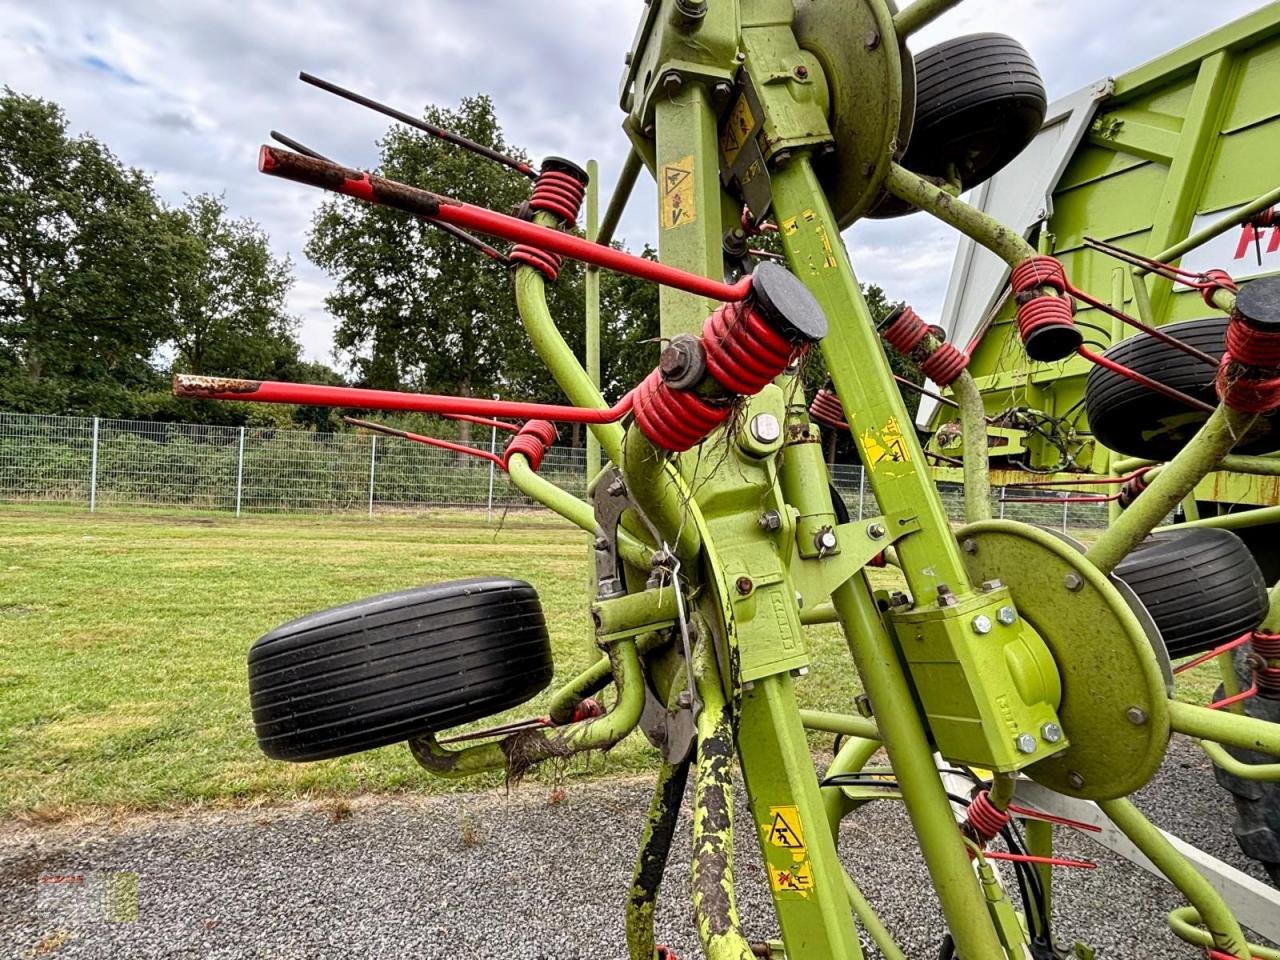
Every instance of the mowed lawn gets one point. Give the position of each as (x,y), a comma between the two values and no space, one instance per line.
(123,640)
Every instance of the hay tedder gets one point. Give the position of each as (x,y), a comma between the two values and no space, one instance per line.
(1017,682)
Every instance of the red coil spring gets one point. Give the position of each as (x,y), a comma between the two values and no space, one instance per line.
(1269,217)
(533,440)
(675,420)
(1215,280)
(1043,311)
(588,709)
(1267,677)
(1249,350)
(548,264)
(944,365)
(827,410)
(985,820)
(559,194)
(906,333)
(743,352)
(1132,488)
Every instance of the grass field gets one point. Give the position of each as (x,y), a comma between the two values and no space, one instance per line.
(123,642)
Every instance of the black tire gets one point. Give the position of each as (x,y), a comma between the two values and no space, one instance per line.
(1257,826)
(1200,585)
(382,670)
(979,103)
(1135,420)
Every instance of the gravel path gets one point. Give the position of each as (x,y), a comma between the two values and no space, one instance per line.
(494,875)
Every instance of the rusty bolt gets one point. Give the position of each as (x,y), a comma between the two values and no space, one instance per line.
(672,83)
(802,72)
(862,703)
(899,599)
(721,91)
(875,530)
(682,361)
(744,585)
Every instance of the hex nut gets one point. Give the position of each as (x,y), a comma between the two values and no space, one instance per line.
(875,530)
(982,624)
(1007,615)
(1136,715)
(1025,743)
(1073,581)
(1051,733)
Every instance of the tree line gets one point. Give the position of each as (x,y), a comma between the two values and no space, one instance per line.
(105,290)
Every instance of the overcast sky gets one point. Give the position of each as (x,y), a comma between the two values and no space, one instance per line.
(188,90)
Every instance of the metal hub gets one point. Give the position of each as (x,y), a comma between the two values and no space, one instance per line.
(1109,672)
(871,78)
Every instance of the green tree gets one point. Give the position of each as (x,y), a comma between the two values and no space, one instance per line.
(229,314)
(87,260)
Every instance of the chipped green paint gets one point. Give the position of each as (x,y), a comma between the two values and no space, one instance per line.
(651,862)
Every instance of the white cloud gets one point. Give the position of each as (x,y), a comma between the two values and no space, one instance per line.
(187,91)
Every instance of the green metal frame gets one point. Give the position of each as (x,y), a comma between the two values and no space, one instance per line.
(925,660)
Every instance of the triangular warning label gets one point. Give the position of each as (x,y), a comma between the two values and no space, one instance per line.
(784,828)
(673,177)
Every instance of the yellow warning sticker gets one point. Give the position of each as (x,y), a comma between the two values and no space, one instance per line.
(888,445)
(679,202)
(808,218)
(784,829)
(737,131)
(797,878)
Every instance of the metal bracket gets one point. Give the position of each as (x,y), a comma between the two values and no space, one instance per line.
(856,547)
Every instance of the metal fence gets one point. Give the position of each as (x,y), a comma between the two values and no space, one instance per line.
(101,463)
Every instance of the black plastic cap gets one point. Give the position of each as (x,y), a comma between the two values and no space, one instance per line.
(787,304)
(1258,304)
(1052,343)
(561,165)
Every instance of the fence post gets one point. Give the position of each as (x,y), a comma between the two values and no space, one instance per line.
(1003,493)
(240,472)
(493,451)
(93,470)
(862,488)
(1066,503)
(373,462)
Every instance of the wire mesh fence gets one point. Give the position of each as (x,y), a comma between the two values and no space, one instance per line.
(102,463)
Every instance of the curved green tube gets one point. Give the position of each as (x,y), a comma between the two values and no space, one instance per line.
(1207,902)
(577,512)
(973,423)
(842,723)
(519,752)
(593,679)
(531,301)
(853,756)
(1185,923)
(871,921)
(1261,772)
(655,485)
(1232,729)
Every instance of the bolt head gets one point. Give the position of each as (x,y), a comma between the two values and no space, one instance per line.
(825,540)
(802,72)
(684,699)
(981,624)
(875,530)
(765,428)
(1007,615)
(989,585)
(1025,743)
(617,488)
(744,585)
(862,703)
(1136,715)
(1076,780)
(1051,733)
(672,83)
(770,521)
(1073,581)
(970,546)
